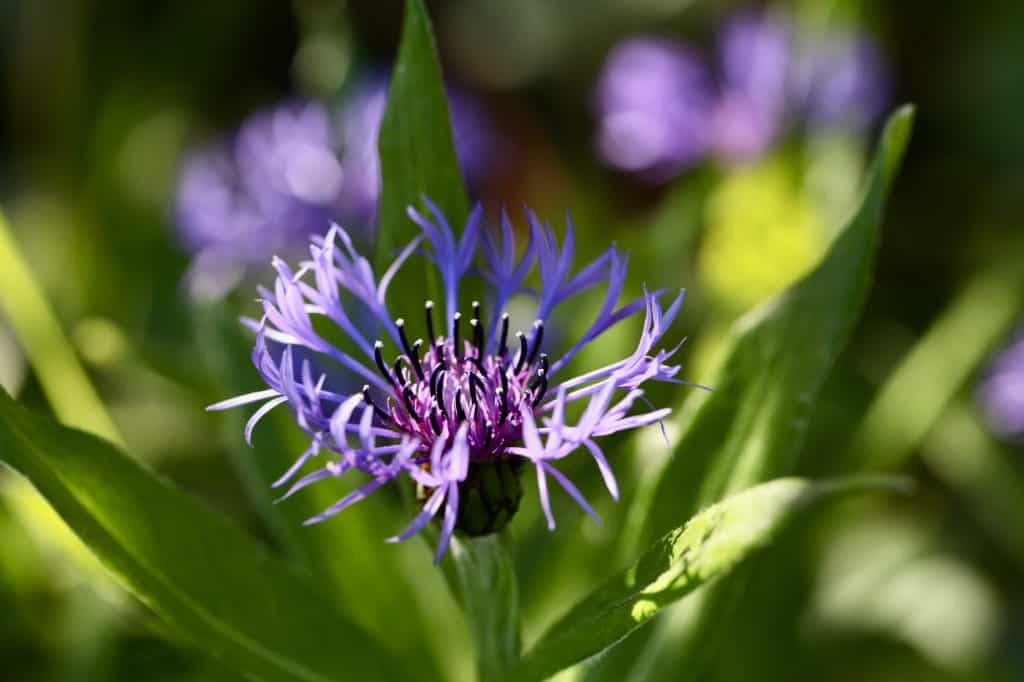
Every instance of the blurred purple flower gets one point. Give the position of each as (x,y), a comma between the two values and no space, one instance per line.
(660,109)
(1002,391)
(292,170)
(262,192)
(460,415)
(476,144)
(653,104)
(845,82)
(755,54)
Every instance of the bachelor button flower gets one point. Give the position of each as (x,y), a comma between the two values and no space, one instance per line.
(845,81)
(661,109)
(460,412)
(653,104)
(754,68)
(262,192)
(289,172)
(1002,391)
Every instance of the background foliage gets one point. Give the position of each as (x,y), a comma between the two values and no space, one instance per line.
(102,100)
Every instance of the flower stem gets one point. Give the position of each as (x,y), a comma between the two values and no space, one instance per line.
(490,597)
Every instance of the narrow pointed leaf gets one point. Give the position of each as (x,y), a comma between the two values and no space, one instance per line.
(210,581)
(750,427)
(417,156)
(709,545)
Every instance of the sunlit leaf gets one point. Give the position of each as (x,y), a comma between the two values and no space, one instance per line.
(211,582)
(709,545)
(750,428)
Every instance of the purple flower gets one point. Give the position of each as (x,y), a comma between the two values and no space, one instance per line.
(661,110)
(1002,391)
(653,104)
(755,53)
(845,82)
(289,173)
(262,192)
(459,413)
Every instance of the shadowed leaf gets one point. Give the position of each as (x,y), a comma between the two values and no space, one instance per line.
(210,581)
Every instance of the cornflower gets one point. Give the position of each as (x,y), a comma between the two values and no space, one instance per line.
(462,411)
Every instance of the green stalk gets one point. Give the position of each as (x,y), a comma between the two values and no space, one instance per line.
(61,375)
(490,596)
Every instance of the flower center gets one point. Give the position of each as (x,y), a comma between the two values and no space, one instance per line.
(441,384)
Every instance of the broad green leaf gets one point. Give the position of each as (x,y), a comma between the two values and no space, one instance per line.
(417,156)
(490,595)
(709,545)
(750,427)
(213,583)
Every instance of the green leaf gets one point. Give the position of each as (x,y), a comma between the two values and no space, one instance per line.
(487,579)
(347,557)
(750,427)
(936,368)
(709,545)
(417,156)
(221,589)
(60,374)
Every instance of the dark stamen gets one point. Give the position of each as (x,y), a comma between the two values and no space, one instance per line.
(415,357)
(544,362)
(503,402)
(400,372)
(538,337)
(407,394)
(487,434)
(476,384)
(476,311)
(400,323)
(434,424)
(429,307)
(537,378)
(439,393)
(376,408)
(378,356)
(541,389)
(503,344)
(478,336)
(522,353)
(460,412)
(504,381)
(455,336)
(433,378)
